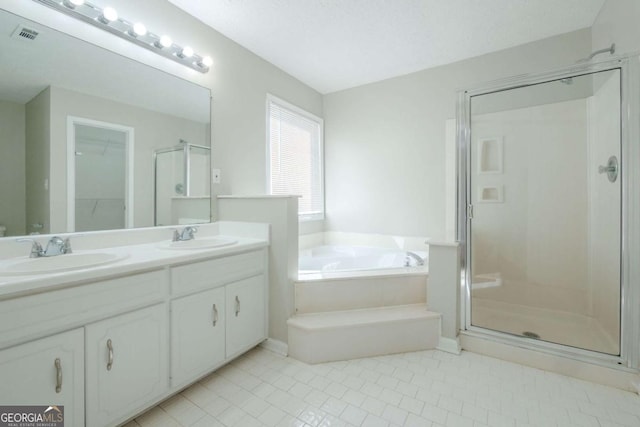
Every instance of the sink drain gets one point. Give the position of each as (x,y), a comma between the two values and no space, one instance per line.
(529,334)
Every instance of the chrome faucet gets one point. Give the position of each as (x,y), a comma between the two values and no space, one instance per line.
(415,256)
(55,246)
(187,233)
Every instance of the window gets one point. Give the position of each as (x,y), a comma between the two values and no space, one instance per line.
(295,156)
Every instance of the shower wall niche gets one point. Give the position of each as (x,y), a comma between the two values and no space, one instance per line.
(182,184)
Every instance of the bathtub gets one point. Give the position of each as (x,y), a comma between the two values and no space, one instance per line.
(345,259)
(339,277)
(358,290)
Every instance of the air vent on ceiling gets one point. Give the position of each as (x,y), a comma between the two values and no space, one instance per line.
(24,33)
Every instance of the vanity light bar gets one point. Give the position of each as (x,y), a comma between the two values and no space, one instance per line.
(136,33)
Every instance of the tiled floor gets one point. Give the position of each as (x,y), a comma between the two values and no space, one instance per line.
(428,388)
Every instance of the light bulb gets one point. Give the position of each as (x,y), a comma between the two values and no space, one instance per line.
(109,14)
(187,52)
(207,61)
(139,29)
(165,41)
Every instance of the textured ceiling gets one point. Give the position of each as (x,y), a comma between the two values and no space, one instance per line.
(336,44)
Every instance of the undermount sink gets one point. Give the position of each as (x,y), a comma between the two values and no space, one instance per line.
(57,264)
(195,244)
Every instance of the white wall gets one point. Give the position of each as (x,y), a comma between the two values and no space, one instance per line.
(38,117)
(385,142)
(617,23)
(12,168)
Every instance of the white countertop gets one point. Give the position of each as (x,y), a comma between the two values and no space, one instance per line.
(139,258)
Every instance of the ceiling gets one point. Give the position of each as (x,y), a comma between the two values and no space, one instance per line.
(336,44)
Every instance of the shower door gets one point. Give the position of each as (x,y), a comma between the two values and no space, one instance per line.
(544,211)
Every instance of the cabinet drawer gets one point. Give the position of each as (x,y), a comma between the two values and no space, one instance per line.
(33,316)
(216,272)
(49,371)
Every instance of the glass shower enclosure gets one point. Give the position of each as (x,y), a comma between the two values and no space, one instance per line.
(545,212)
(182,184)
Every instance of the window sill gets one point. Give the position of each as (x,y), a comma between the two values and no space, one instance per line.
(310,217)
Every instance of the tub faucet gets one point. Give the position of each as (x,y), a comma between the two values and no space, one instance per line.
(187,233)
(415,256)
(56,246)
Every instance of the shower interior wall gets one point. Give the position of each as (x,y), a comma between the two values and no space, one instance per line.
(518,239)
(604,247)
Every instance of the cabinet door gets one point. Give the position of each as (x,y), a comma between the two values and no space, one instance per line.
(246,325)
(127,364)
(49,371)
(197,335)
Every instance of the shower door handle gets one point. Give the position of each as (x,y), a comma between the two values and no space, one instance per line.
(611,169)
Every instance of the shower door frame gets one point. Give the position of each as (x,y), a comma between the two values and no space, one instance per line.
(629,67)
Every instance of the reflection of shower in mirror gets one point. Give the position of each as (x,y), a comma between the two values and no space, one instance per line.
(181,184)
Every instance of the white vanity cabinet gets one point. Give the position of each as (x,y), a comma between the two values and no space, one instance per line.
(109,346)
(48,371)
(127,364)
(222,315)
(197,335)
(245,314)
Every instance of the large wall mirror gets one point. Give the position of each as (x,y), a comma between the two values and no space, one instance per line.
(91,140)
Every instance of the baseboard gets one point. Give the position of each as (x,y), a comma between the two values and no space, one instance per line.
(449,345)
(275,346)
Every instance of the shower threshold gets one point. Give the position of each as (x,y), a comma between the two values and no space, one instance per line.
(555,326)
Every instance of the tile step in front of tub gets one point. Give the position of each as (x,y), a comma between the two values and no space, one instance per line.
(352,334)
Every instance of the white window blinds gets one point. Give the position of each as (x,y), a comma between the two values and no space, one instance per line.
(295,157)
